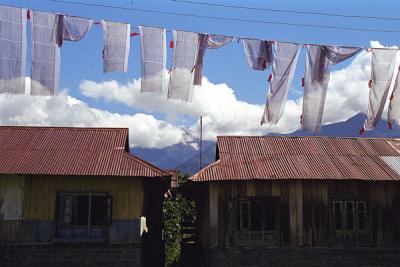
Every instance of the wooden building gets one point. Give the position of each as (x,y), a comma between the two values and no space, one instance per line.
(300,201)
(81,191)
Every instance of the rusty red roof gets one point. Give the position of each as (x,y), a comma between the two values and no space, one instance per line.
(70,151)
(273,157)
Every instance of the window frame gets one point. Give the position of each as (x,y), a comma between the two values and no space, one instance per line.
(343,202)
(335,214)
(60,213)
(273,200)
(243,202)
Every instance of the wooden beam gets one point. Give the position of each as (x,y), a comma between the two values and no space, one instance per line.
(296,213)
(213,215)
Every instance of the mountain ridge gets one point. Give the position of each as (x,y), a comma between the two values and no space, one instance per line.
(185,158)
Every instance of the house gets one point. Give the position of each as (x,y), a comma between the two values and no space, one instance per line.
(300,201)
(77,196)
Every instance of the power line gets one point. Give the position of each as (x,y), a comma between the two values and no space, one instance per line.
(286,10)
(227,18)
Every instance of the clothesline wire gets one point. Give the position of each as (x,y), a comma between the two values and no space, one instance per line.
(169,30)
(226,18)
(286,10)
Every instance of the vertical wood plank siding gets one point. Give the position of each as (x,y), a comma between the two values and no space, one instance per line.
(305,217)
(41,191)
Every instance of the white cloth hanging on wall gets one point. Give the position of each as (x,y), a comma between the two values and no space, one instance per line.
(11,202)
(72,28)
(382,66)
(206,41)
(319,58)
(153,58)
(258,53)
(116,37)
(12,49)
(184,60)
(394,104)
(283,67)
(45,53)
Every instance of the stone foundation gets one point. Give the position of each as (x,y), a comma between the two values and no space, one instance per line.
(71,255)
(310,257)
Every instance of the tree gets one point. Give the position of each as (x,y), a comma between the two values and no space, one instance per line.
(178,213)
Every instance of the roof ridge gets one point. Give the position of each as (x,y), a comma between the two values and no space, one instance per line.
(62,127)
(306,137)
(151,166)
(204,170)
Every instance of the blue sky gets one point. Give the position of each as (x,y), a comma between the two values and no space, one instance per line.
(82,60)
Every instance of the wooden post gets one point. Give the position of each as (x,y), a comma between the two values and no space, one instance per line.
(296,213)
(200,140)
(90,210)
(213,214)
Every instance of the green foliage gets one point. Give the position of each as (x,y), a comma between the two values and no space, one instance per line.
(178,214)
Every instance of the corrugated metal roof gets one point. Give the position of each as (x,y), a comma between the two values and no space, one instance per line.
(273,157)
(393,162)
(70,151)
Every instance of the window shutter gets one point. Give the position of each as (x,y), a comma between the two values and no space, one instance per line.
(58,212)
(232,215)
(109,210)
(232,208)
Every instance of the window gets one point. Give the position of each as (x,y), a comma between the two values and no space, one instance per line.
(270,215)
(83,215)
(337,214)
(244,215)
(258,214)
(361,214)
(349,215)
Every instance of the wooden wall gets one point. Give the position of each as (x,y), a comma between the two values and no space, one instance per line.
(11,207)
(304,217)
(41,191)
(11,196)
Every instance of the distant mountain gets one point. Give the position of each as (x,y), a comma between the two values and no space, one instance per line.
(186,159)
(180,156)
(351,128)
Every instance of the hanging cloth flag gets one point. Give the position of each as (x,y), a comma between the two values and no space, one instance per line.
(12,49)
(207,41)
(319,58)
(394,104)
(258,53)
(153,58)
(382,66)
(184,59)
(283,68)
(72,28)
(45,53)
(116,38)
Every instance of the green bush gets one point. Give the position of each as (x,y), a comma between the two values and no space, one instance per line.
(178,213)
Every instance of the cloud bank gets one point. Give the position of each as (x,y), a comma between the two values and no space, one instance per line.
(64,110)
(223,113)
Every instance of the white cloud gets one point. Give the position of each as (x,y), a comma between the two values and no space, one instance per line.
(223,113)
(64,110)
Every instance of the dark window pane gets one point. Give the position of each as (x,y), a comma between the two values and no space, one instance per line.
(81,210)
(270,215)
(67,210)
(349,215)
(337,210)
(244,215)
(361,206)
(98,211)
(256,215)
(361,212)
